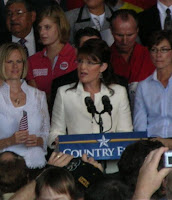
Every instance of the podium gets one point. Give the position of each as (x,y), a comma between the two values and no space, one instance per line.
(100,146)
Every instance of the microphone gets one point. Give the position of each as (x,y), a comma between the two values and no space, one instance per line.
(107,104)
(90,106)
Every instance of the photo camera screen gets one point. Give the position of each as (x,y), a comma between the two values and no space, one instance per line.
(168,159)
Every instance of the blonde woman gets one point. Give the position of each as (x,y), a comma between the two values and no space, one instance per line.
(24,118)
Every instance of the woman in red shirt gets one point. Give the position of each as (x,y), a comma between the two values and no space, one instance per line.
(58,57)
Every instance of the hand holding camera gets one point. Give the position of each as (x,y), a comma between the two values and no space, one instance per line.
(150,178)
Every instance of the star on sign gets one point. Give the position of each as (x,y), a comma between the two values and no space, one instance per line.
(103,141)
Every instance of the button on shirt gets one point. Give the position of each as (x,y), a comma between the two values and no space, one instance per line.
(153,107)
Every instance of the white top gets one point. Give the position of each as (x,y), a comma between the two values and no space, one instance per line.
(100,19)
(70,112)
(162,12)
(38,122)
(30,42)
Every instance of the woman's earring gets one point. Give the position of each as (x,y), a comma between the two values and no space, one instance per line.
(101,75)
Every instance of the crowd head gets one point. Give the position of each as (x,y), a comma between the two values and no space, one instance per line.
(20,16)
(6,51)
(13,172)
(53,16)
(124,27)
(53,183)
(97,51)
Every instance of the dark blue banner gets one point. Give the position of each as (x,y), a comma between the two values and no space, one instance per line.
(105,146)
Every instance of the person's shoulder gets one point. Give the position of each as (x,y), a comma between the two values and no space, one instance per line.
(118,88)
(148,12)
(68,49)
(139,48)
(72,12)
(35,90)
(146,81)
(65,88)
(35,56)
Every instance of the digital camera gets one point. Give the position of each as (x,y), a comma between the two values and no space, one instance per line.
(168,159)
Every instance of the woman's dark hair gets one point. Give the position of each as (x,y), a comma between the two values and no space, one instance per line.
(87,31)
(98,51)
(58,179)
(158,36)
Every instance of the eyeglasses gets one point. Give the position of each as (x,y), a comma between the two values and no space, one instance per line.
(17,13)
(162,50)
(87,62)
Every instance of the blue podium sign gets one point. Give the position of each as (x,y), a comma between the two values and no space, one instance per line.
(103,146)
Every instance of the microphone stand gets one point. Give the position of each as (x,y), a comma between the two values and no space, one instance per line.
(100,123)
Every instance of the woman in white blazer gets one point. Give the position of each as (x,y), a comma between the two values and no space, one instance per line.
(96,79)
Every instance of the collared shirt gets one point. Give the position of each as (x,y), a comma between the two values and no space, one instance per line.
(38,122)
(137,69)
(153,107)
(70,112)
(162,12)
(40,67)
(30,42)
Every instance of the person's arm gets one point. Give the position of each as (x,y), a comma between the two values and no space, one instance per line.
(150,179)
(124,114)
(58,122)
(30,78)
(19,137)
(140,113)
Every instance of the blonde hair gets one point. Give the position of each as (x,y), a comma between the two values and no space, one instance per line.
(5,51)
(55,13)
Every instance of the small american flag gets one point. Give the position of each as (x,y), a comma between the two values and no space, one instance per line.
(23,122)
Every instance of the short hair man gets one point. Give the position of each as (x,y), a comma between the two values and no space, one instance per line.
(20,17)
(153,19)
(13,172)
(128,58)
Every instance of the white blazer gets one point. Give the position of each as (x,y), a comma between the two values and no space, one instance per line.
(70,115)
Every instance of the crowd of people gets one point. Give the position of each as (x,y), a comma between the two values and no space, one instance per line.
(57,65)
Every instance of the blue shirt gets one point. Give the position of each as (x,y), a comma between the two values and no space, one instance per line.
(153,107)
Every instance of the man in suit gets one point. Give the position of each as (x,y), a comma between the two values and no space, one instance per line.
(20,17)
(94,14)
(153,19)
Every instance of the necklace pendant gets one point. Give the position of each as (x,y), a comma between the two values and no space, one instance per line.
(17,101)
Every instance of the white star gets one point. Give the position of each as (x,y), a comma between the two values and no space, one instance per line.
(103,141)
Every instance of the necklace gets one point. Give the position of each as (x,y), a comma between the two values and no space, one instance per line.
(17,101)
